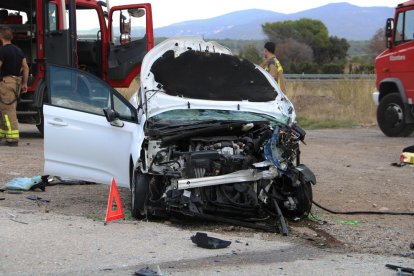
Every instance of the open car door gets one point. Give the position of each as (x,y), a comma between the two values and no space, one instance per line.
(91,132)
(130,38)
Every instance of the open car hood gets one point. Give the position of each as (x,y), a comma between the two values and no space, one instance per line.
(190,73)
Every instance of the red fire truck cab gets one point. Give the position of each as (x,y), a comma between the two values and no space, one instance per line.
(395,74)
(109,42)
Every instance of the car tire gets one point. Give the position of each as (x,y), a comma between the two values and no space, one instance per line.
(304,197)
(391,117)
(139,194)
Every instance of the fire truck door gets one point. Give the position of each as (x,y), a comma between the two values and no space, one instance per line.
(130,38)
(57,40)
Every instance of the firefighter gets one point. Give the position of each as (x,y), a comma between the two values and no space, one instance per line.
(272,65)
(14,73)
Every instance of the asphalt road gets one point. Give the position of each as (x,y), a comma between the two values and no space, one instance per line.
(35,243)
(68,236)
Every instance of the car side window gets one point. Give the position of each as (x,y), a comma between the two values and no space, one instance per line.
(53,23)
(124,110)
(409,25)
(399,31)
(78,90)
(404,30)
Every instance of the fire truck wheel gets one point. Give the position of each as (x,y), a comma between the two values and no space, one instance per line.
(139,194)
(391,117)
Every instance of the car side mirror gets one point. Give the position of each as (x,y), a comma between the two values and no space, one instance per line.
(113,117)
(389,26)
(136,12)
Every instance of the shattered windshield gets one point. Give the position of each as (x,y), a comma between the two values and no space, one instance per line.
(202,115)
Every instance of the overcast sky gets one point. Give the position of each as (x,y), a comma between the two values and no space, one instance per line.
(166,12)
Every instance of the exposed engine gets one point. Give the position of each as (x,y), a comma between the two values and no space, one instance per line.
(238,171)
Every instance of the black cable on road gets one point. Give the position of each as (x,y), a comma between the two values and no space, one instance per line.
(364,212)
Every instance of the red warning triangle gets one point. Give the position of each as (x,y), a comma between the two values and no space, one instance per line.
(114,214)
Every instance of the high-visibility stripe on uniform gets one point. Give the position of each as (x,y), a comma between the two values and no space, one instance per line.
(10,133)
(2,133)
(279,69)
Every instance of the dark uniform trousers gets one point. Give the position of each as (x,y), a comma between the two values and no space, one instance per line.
(9,126)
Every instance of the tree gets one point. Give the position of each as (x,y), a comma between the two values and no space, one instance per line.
(294,56)
(326,50)
(250,53)
(309,31)
(377,44)
(338,48)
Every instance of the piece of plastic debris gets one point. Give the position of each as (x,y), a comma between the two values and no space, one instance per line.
(146,271)
(407,157)
(347,222)
(204,241)
(55,180)
(25,183)
(409,149)
(398,164)
(316,218)
(14,218)
(400,269)
(13,192)
(37,198)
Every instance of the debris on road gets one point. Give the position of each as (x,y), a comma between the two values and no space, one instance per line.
(406,157)
(37,198)
(13,192)
(55,180)
(347,222)
(13,218)
(25,183)
(146,272)
(316,218)
(204,241)
(400,269)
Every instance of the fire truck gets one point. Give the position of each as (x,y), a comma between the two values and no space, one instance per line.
(109,42)
(395,74)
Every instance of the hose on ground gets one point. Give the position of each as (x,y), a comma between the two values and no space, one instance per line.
(364,212)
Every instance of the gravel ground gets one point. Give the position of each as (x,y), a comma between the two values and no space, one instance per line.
(353,169)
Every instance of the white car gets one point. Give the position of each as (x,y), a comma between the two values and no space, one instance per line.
(208,135)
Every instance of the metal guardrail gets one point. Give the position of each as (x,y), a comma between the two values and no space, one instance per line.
(330,76)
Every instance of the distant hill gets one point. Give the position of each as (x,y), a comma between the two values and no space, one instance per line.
(342,19)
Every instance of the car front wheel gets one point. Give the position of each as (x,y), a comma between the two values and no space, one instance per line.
(303,195)
(139,194)
(391,117)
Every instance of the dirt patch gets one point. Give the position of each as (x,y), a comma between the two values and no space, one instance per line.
(353,170)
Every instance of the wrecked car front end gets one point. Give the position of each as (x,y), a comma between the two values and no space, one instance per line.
(221,140)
